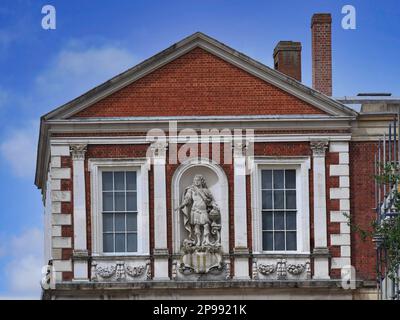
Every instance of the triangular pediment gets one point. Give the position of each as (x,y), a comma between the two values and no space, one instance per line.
(200,76)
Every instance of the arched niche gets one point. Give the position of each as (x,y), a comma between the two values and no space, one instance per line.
(217,183)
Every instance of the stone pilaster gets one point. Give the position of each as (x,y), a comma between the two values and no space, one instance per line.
(241,250)
(160,251)
(321,252)
(80,253)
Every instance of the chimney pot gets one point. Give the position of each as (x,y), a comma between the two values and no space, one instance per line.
(322,52)
(287,58)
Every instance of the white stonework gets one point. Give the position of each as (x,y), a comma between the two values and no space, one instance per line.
(339,216)
(344,182)
(240,210)
(59,151)
(339,193)
(345,251)
(338,263)
(61,173)
(339,170)
(61,196)
(60,219)
(321,269)
(342,193)
(63,265)
(342,146)
(79,211)
(159,150)
(341,239)
(62,242)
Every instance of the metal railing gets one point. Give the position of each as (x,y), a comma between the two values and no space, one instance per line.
(387,158)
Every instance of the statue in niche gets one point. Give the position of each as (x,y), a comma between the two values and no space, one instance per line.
(201,219)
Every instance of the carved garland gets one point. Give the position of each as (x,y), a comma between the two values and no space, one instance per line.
(119,271)
(282,268)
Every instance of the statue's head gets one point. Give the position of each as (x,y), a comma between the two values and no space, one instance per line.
(199,181)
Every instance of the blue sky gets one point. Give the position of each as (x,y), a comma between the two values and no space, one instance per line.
(94,40)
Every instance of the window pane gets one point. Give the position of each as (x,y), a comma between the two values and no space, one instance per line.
(119,201)
(266,179)
(278,179)
(267,199)
(267,221)
(290,179)
(119,180)
(108,223)
(278,199)
(107,181)
(279,238)
(279,222)
(291,220)
(120,222)
(291,240)
(119,242)
(131,180)
(132,242)
(131,201)
(131,222)
(108,243)
(107,201)
(291,199)
(267,241)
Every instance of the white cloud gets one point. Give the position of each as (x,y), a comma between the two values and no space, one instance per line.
(75,70)
(18,148)
(23,271)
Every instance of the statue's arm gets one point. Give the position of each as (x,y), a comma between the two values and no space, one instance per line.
(186,199)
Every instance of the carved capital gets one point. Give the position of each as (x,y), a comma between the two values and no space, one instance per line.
(159,148)
(78,151)
(240,148)
(319,147)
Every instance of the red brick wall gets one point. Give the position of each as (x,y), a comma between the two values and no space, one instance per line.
(198,83)
(362,206)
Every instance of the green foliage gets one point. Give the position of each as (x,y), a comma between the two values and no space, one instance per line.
(386,232)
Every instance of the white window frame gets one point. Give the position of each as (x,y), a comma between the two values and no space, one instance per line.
(96,167)
(302,167)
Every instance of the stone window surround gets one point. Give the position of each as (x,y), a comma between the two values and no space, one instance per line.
(96,167)
(302,166)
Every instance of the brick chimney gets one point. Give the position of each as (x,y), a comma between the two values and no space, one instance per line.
(287,58)
(322,52)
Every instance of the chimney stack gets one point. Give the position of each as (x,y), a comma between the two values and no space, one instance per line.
(322,52)
(287,58)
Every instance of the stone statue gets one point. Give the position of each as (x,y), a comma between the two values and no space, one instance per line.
(200,214)
(201,219)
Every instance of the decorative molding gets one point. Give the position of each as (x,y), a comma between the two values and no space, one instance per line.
(240,148)
(78,151)
(282,268)
(319,147)
(120,271)
(159,149)
(266,269)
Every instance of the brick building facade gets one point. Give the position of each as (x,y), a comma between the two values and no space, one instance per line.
(290,163)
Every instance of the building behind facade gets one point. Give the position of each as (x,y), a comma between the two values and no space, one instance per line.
(279,166)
